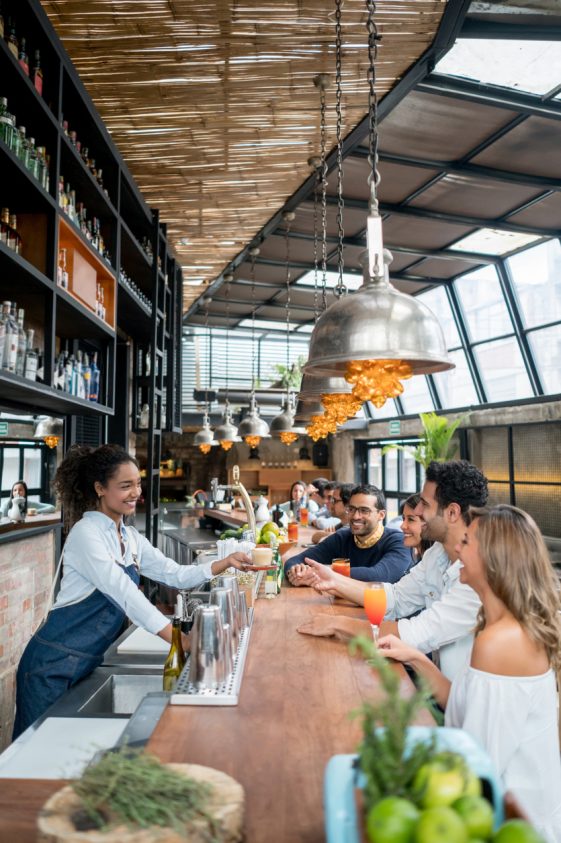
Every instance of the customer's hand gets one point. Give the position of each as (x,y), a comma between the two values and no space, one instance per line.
(327,625)
(392,647)
(301,574)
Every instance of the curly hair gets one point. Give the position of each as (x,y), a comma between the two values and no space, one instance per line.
(519,572)
(77,474)
(374,491)
(458,481)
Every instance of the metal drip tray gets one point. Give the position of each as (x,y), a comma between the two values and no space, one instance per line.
(186,693)
(121,694)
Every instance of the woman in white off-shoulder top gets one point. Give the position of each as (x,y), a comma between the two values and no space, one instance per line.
(506,696)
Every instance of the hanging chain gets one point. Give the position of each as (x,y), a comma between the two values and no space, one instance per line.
(253,252)
(340,289)
(227,278)
(316,164)
(373,39)
(288,216)
(321,81)
(207,300)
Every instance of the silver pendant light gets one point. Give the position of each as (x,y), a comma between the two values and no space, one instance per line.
(314,386)
(204,438)
(226,433)
(253,428)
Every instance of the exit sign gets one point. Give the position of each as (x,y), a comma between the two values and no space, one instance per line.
(3,428)
(395,427)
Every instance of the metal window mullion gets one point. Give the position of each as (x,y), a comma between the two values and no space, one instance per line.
(507,287)
(459,319)
(433,392)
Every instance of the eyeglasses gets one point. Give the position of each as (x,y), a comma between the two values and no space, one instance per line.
(361,510)
(333,500)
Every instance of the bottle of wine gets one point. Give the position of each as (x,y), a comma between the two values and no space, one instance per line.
(23,59)
(175,661)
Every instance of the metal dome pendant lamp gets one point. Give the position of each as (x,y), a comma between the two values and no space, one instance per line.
(252,429)
(204,438)
(227,432)
(376,336)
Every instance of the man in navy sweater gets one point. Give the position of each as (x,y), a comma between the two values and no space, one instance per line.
(376,552)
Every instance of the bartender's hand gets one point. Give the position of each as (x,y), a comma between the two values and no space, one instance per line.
(301,574)
(238,560)
(327,625)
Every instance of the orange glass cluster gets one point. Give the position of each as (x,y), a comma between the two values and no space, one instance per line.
(204,449)
(226,444)
(320,426)
(252,441)
(341,406)
(51,441)
(288,437)
(377,380)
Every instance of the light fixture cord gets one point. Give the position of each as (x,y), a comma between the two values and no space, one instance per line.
(340,289)
(253,255)
(227,373)
(373,39)
(207,337)
(288,217)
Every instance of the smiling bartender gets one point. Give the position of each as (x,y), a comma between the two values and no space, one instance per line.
(103,560)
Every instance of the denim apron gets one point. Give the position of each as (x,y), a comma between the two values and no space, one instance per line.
(68,646)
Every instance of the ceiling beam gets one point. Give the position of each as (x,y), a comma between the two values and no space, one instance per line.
(495,30)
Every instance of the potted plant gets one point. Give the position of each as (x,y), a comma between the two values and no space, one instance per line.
(436,442)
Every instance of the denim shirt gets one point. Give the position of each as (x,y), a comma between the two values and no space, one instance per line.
(93,560)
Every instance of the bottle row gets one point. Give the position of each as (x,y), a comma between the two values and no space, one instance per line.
(84,154)
(17,354)
(77,213)
(34,158)
(9,234)
(18,47)
(78,375)
(134,289)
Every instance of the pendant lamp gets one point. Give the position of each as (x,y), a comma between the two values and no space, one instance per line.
(204,438)
(253,428)
(227,432)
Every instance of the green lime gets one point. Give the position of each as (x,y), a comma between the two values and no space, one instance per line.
(477,815)
(517,831)
(392,820)
(440,825)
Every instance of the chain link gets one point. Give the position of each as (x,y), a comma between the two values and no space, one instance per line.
(253,256)
(288,216)
(373,39)
(340,289)
(323,181)
(227,278)
(317,186)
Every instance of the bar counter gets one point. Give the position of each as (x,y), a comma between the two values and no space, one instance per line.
(293,714)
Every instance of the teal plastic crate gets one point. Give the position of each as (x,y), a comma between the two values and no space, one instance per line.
(342,777)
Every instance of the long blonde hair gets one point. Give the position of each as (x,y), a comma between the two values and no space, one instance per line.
(520,574)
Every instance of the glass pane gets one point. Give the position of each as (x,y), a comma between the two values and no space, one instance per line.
(32,467)
(391,470)
(490,241)
(546,349)
(437,301)
(537,279)
(483,304)
(392,509)
(502,370)
(388,411)
(416,397)
(375,467)
(10,471)
(455,387)
(530,66)
(408,478)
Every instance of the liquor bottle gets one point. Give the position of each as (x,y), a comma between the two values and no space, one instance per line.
(62,273)
(4,225)
(94,378)
(14,239)
(3,320)
(22,344)
(86,377)
(77,377)
(40,366)
(12,39)
(175,661)
(31,357)
(23,153)
(6,127)
(68,373)
(1,22)
(22,57)
(37,73)
(58,379)
(102,311)
(10,337)
(33,159)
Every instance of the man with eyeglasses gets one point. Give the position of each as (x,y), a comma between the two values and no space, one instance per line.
(338,498)
(375,552)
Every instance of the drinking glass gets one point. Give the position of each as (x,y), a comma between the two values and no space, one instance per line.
(341,566)
(375,606)
(303,516)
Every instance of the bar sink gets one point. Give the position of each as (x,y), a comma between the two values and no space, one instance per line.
(121,694)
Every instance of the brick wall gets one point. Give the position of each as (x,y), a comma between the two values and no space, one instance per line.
(26,571)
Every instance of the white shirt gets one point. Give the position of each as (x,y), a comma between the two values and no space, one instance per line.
(93,560)
(445,627)
(515,719)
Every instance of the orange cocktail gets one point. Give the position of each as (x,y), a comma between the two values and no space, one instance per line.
(375,606)
(303,516)
(341,566)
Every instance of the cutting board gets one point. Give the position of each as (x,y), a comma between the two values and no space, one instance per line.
(140,642)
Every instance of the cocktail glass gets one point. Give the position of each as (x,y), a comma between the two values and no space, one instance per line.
(375,606)
(303,516)
(341,566)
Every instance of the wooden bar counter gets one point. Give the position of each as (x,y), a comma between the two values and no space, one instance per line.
(293,714)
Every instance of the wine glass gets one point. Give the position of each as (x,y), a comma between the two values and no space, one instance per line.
(375,606)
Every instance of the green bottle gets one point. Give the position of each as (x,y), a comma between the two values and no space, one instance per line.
(175,661)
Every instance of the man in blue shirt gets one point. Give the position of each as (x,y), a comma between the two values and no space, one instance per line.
(376,552)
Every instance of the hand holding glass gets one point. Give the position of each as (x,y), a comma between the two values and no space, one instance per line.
(375,606)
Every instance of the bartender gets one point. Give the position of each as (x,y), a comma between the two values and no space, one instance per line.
(103,560)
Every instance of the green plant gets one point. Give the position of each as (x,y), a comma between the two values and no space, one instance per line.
(436,442)
(390,770)
(291,376)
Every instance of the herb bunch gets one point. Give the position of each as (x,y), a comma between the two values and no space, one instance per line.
(389,768)
(133,787)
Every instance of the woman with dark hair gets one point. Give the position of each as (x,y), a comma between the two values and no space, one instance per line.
(103,560)
(298,499)
(19,490)
(412,526)
(506,695)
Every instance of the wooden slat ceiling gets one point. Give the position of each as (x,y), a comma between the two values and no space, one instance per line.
(212,104)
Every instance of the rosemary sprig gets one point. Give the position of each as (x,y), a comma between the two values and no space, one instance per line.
(137,789)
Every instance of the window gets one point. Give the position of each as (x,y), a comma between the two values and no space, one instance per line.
(455,386)
(502,369)
(483,304)
(24,460)
(437,301)
(546,348)
(397,473)
(416,396)
(536,275)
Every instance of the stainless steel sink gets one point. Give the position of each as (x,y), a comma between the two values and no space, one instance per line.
(121,694)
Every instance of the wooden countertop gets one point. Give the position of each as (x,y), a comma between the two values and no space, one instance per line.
(292,716)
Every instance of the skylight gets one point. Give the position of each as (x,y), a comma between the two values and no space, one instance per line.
(489,241)
(352,282)
(266,325)
(533,67)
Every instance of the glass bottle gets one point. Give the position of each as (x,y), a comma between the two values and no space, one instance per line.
(31,357)
(33,159)
(175,661)
(22,344)
(12,39)
(23,60)
(23,153)
(4,225)
(3,320)
(62,273)
(94,378)
(10,337)
(58,380)
(78,379)
(37,73)
(6,126)
(1,22)
(14,239)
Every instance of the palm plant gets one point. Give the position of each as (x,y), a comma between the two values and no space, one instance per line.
(436,442)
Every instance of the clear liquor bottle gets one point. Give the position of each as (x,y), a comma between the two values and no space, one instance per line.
(14,238)
(22,344)
(31,357)
(4,225)
(62,272)
(6,123)
(10,337)
(3,320)
(34,165)
(23,153)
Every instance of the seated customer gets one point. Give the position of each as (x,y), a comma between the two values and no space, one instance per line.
(375,553)
(316,491)
(505,694)
(339,495)
(298,500)
(19,490)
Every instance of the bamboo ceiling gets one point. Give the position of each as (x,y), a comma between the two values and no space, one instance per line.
(212,104)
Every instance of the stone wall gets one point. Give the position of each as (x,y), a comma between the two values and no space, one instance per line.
(26,572)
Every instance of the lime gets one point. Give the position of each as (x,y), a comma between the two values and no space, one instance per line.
(392,820)
(477,815)
(517,831)
(440,825)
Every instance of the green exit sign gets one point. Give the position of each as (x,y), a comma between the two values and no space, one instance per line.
(3,428)
(395,427)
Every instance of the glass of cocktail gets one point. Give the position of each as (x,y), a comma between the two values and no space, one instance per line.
(341,566)
(303,516)
(375,606)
